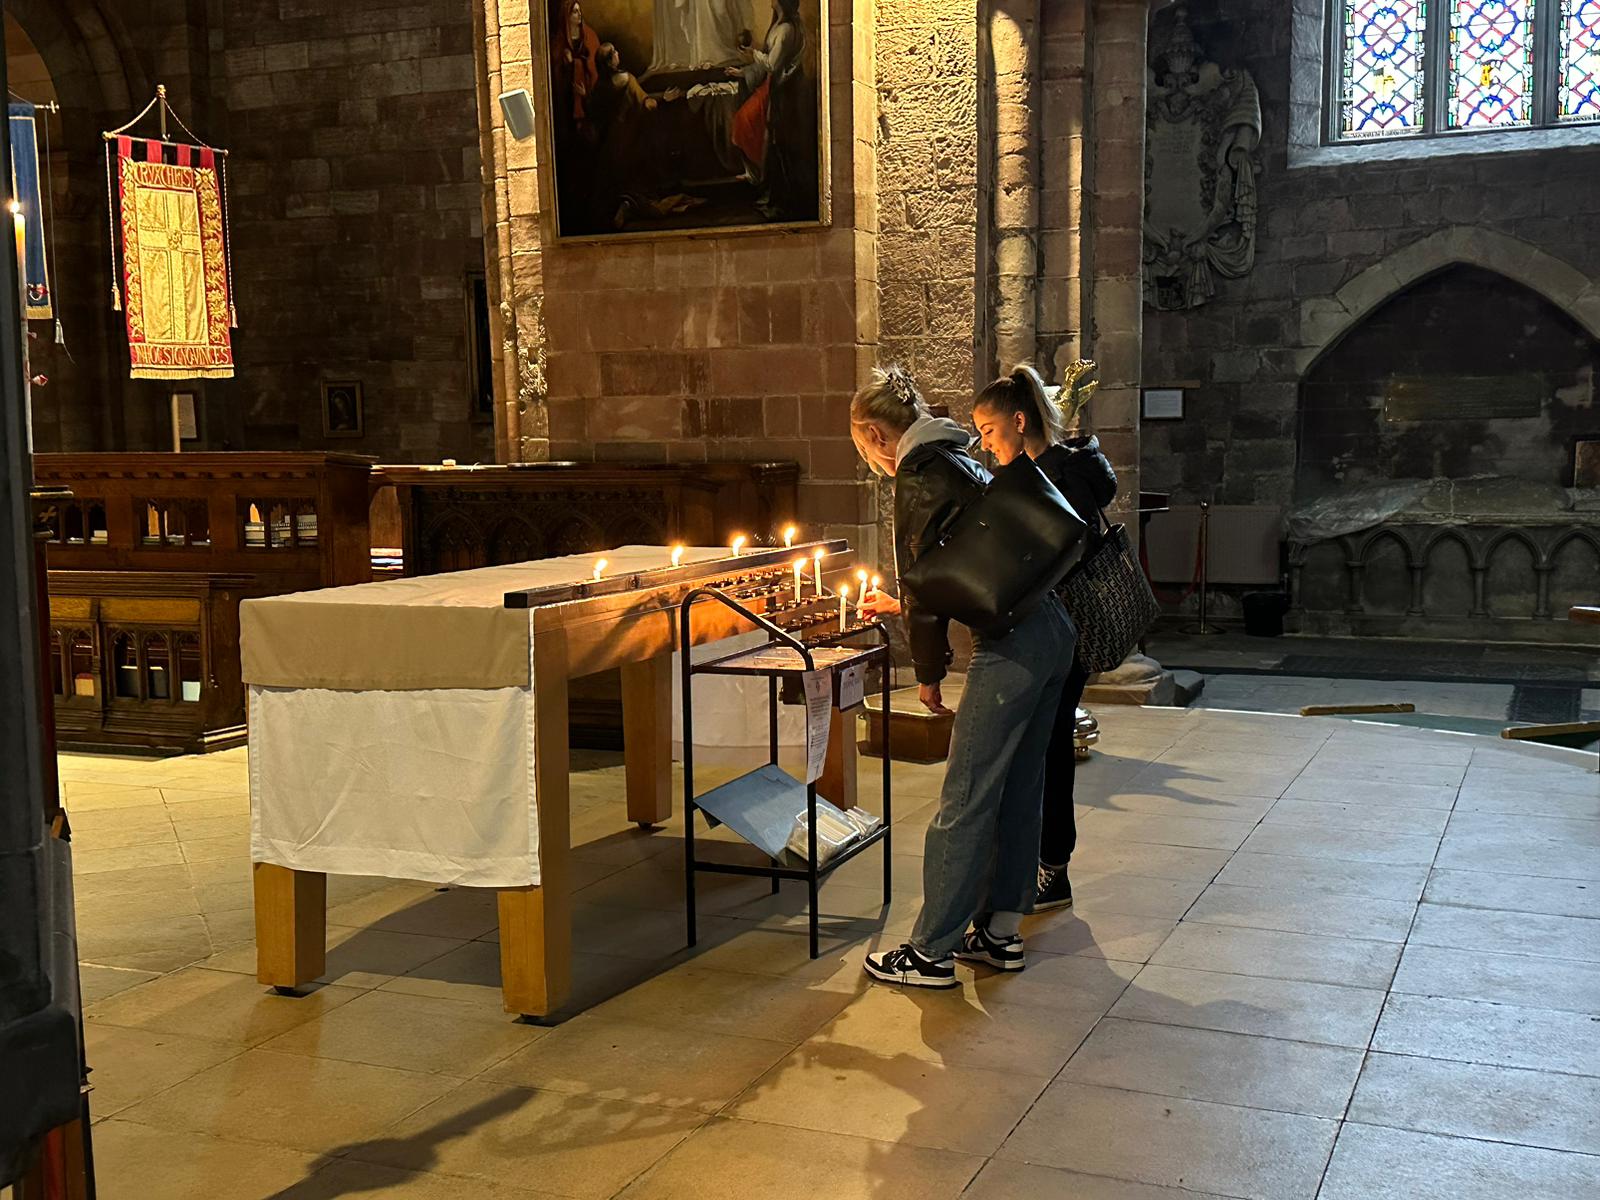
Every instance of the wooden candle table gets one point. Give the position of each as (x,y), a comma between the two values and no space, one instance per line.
(417,729)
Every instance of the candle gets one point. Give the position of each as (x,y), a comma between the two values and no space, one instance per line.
(20,227)
(861,596)
(799,577)
(677,555)
(788,536)
(599,568)
(738,545)
(844,606)
(816,558)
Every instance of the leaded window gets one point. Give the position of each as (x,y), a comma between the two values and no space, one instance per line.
(1418,67)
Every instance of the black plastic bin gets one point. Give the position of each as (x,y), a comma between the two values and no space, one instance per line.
(1263,613)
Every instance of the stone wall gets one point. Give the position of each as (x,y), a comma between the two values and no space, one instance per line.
(354,191)
(1334,242)
(740,346)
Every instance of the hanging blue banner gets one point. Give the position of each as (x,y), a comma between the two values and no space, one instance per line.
(25,191)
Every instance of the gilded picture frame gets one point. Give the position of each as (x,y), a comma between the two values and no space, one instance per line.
(642,147)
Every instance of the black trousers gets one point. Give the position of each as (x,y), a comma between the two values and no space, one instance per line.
(1059,834)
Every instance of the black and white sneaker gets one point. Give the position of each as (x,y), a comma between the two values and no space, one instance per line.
(1003,954)
(906,966)
(1054,889)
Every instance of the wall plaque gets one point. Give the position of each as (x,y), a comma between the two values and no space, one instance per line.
(1464,397)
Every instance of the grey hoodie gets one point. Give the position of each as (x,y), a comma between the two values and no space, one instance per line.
(929,430)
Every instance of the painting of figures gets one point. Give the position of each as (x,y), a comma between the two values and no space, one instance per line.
(686,116)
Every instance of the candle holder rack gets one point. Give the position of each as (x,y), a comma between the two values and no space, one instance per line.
(803,636)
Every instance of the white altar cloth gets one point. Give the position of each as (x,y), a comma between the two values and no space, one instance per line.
(402,779)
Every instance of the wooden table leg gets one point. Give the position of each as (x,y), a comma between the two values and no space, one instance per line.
(647,738)
(536,922)
(838,781)
(291,925)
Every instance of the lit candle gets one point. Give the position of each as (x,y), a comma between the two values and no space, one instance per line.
(861,596)
(816,558)
(788,536)
(738,545)
(677,555)
(599,568)
(844,606)
(799,577)
(21,228)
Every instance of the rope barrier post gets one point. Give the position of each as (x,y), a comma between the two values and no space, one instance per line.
(1203,627)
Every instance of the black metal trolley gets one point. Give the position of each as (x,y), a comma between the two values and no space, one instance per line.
(768,786)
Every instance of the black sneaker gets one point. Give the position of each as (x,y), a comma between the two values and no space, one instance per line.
(1003,954)
(906,966)
(1054,889)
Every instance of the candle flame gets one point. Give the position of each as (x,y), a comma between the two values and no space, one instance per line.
(677,555)
(738,544)
(817,553)
(788,536)
(599,568)
(844,590)
(876,582)
(14,208)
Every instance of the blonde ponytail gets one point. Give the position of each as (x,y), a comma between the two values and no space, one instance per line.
(1023,391)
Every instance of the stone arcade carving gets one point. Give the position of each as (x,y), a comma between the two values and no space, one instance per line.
(1204,124)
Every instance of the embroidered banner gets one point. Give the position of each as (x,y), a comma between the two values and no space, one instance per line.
(174,266)
(25,190)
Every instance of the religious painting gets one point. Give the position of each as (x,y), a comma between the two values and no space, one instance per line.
(684,116)
(342,414)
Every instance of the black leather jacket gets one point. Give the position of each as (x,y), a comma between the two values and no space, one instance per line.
(1084,476)
(932,484)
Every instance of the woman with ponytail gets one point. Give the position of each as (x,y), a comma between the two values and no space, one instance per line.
(980,863)
(1016,415)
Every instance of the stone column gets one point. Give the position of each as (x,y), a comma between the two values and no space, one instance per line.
(513,252)
(1013,38)
(1114,211)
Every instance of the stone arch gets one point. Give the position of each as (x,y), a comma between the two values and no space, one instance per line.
(1325,320)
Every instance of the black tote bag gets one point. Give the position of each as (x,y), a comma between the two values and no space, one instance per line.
(1001,555)
(1110,600)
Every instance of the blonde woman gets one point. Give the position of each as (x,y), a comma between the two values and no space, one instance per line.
(980,863)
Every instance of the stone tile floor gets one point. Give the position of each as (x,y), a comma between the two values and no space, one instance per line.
(1310,958)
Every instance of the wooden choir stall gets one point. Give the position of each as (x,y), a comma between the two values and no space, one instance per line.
(417,728)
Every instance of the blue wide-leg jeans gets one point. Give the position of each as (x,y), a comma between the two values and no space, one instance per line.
(982,851)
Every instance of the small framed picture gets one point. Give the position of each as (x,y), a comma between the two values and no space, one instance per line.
(1161,404)
(342,414)
(1586,462)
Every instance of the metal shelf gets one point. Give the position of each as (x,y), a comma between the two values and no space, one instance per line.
(761,805)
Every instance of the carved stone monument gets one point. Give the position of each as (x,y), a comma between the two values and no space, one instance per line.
(1203,127)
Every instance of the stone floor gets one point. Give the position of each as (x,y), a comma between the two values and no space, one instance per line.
(1311,958)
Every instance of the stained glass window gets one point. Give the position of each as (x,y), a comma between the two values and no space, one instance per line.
(1491,64)
(1384,53)
(1415,67)
(1580,60)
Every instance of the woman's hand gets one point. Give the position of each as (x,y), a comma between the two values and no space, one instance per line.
(881,604)
(932,699)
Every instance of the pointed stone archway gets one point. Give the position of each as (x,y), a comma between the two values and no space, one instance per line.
(1325,320)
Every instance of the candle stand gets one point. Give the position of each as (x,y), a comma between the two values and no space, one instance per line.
(803,636)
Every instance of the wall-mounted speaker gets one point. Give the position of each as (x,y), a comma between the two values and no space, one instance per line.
(518,109)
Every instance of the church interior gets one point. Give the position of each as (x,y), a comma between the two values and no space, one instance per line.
(449,749)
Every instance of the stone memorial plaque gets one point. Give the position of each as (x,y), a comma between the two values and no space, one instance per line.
(1464,398)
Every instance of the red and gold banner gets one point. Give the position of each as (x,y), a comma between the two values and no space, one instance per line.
(174,265)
